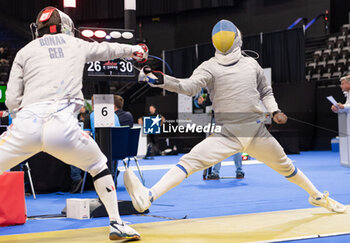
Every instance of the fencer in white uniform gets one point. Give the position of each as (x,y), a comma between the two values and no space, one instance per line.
(44,95)
(236,84)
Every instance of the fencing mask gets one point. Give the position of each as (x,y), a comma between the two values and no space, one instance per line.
(50,20)
(226,36)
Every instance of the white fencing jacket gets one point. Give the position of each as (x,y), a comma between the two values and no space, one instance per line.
(51,68)
(236,84)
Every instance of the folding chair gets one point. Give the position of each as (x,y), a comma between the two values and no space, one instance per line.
(133,145)
(119,140)
(119,146)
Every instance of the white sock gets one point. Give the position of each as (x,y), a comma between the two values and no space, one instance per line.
(106,190)
(301,180)
(170,180)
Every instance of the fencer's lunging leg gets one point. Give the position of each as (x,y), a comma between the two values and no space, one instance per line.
(316,198)
(143,197)
(105,189)
(170,180)
(298,178)
(278,160)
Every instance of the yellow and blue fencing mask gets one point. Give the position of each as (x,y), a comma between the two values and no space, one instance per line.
(225,36)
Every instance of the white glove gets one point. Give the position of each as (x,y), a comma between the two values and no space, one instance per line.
(153,78)
(140,53)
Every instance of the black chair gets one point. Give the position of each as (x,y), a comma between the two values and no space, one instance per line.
(345,29)
(347,42)
(331,62)
(120,142)
(325,56)
(312,64)
(330,44)
(119,146)
(339,70)
(343,61)
(133,145)
(317,55)
(346,69)
(321,64)
(333,39)
(344,54)
(309,70)
(340,42)
(336,50)
(339,67)
(326,76)
(318,73)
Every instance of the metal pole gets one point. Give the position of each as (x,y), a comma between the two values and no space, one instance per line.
(163,67)
(130,14)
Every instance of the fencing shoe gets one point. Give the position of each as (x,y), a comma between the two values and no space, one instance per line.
(122,232)
(328,203)
(140,196)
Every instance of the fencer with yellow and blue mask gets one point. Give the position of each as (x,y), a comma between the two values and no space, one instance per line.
(226,39)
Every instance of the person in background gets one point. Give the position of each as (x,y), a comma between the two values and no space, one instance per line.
(125,117)
(83,114)
(4,54)
(345,87)
(237,158)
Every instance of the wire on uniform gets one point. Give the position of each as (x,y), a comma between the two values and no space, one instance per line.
(244,52)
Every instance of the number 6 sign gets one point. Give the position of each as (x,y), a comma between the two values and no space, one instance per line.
(104,110)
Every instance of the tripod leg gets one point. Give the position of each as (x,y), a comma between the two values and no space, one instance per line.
(30,180)
(205,172)
(82,186)
(140,172)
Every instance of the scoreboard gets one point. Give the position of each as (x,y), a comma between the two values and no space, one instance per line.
(111,69)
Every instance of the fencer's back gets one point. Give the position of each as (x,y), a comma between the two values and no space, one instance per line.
(52,68)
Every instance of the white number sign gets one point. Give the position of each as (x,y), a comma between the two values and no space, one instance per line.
(104,110)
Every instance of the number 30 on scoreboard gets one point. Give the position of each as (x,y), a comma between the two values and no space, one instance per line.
(113,68)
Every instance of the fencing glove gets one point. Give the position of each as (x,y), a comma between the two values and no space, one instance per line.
(140,53)
(153,78)
(279,117)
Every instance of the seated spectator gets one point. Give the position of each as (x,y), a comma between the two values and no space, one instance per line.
(125,117)
(82,114)
(4,54)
